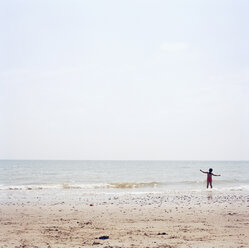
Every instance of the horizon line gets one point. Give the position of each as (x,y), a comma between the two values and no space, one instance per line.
(168,160)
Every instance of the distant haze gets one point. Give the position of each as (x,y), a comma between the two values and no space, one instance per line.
(132,79)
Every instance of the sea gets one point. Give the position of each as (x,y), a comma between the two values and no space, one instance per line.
(121,176)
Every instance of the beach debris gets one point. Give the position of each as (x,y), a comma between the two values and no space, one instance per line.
(91,205)
(57,203)
(163,233)
(88,223)
(96,243)
(48,245)
(104,237)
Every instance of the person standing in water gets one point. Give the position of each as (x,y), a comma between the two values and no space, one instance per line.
(209,177)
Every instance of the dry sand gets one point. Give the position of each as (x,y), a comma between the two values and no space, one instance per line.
(149,220)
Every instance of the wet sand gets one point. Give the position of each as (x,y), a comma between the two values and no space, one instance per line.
(161,220)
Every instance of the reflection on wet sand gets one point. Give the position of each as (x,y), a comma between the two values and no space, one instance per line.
(210,195)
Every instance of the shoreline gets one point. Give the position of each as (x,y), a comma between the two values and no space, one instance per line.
(206,219)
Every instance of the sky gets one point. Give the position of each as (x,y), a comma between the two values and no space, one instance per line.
(124,80)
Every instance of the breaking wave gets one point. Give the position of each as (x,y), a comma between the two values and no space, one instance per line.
(126,185)
(131,185)
(116,185)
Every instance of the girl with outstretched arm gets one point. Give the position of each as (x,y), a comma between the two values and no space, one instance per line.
(209,177)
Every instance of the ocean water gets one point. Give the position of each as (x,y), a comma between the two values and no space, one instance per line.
(121,176)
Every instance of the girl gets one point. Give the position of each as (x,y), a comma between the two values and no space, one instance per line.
(209,177)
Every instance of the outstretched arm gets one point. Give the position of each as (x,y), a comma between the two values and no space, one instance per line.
(216,175)
(204,172)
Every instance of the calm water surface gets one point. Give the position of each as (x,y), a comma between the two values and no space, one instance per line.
(121,175)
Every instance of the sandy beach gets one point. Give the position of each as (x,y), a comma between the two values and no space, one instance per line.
(207,219)
(124,124)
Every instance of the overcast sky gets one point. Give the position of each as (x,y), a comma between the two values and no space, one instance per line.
(131,79)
